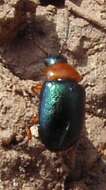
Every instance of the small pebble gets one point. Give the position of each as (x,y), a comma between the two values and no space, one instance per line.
(34,131)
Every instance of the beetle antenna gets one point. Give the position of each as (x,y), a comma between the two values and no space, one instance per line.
(63,46)
(42,49)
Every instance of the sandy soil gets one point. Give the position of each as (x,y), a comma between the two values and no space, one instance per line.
(31,166)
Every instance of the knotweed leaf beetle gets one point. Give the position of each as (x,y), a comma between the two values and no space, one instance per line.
(61,110)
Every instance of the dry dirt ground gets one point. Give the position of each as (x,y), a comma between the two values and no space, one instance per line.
(31,166)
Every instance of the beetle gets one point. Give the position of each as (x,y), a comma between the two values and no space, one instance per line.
(61,109)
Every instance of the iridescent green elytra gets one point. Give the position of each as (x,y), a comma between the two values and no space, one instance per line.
(61,114)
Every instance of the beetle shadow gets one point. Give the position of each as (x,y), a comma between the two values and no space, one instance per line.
(89,166)
(24,56)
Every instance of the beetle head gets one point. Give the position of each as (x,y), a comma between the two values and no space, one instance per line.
(55,59)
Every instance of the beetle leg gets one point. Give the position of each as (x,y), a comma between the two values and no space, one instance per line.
(35,119)
(28,133)
(36,89)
